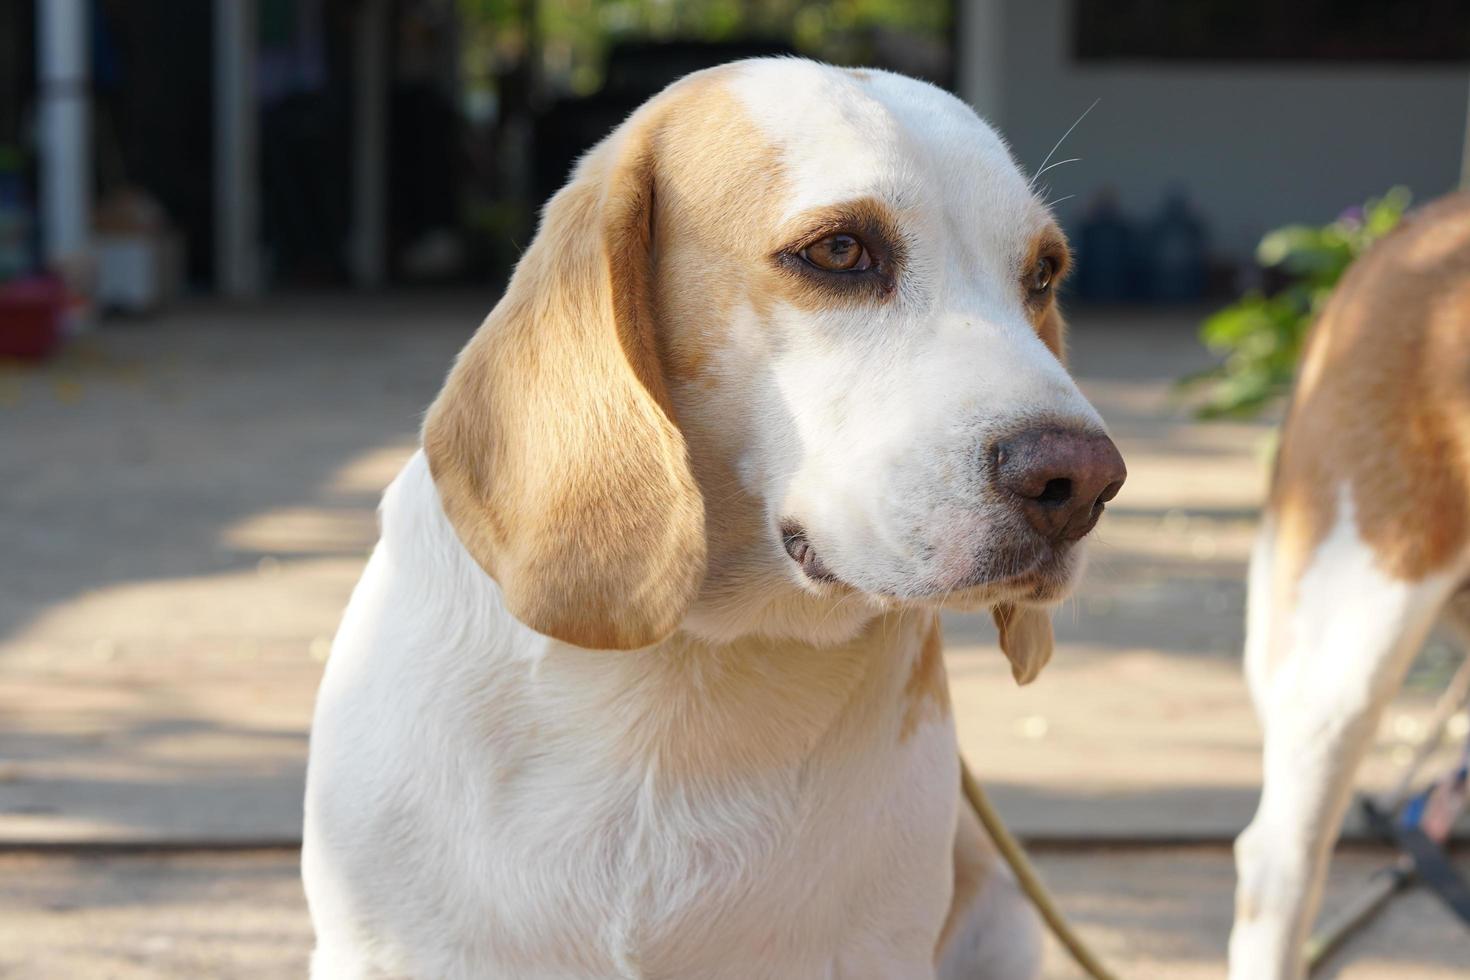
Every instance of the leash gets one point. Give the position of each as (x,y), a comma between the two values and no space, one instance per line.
(1029,880)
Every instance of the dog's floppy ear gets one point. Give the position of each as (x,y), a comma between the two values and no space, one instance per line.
(1025,638)
(552,443)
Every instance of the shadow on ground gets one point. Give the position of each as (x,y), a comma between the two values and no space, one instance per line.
(135,455)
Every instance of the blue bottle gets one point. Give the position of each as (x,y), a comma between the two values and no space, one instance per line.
(1175,249)
(15,218)
(1104,252)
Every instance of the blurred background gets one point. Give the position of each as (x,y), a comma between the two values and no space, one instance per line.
(318,144)
(241,241)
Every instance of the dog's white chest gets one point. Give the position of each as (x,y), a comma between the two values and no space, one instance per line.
(474,809)
(534,858)
(767,878)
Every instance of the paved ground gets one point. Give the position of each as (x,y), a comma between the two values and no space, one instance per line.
(1151,915)
(188,502)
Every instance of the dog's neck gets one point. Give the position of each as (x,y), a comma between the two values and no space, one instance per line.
(690,709)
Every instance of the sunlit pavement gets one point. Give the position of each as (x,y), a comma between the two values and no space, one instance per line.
(1151,915)
(187,505)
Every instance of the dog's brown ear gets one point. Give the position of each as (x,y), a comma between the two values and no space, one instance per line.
(1025,638)
(552,443)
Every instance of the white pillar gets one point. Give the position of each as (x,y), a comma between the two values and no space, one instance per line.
(370,143)
(65,129)
(979,73)
(1465,149)
(236,168)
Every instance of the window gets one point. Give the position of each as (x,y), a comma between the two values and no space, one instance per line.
(1271,30)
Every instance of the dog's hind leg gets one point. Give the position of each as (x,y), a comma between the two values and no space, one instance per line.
(1325,652)
(993,932)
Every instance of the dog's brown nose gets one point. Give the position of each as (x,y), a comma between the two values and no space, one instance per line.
(1061,478)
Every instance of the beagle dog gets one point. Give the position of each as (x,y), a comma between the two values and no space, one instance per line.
(1364,544)
(645,677)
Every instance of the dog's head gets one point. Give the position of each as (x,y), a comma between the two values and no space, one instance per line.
(784,353)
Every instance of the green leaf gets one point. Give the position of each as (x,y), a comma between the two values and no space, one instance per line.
(1259,338)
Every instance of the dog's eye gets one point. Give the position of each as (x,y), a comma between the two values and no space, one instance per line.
(838,253)
(1042,275)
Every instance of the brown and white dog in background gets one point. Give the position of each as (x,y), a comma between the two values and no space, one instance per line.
(1365,544)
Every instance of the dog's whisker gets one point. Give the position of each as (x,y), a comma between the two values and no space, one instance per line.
(1055,166)
(832,611)
(1054,149)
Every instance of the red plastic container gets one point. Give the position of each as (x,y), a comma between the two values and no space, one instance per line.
(31,317)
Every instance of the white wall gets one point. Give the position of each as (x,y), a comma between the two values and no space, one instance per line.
(1256,145)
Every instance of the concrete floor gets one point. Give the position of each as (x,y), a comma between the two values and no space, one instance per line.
(1150,915)
(188,502)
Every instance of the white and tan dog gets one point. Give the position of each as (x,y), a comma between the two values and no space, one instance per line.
(1365,543)
(644,678)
